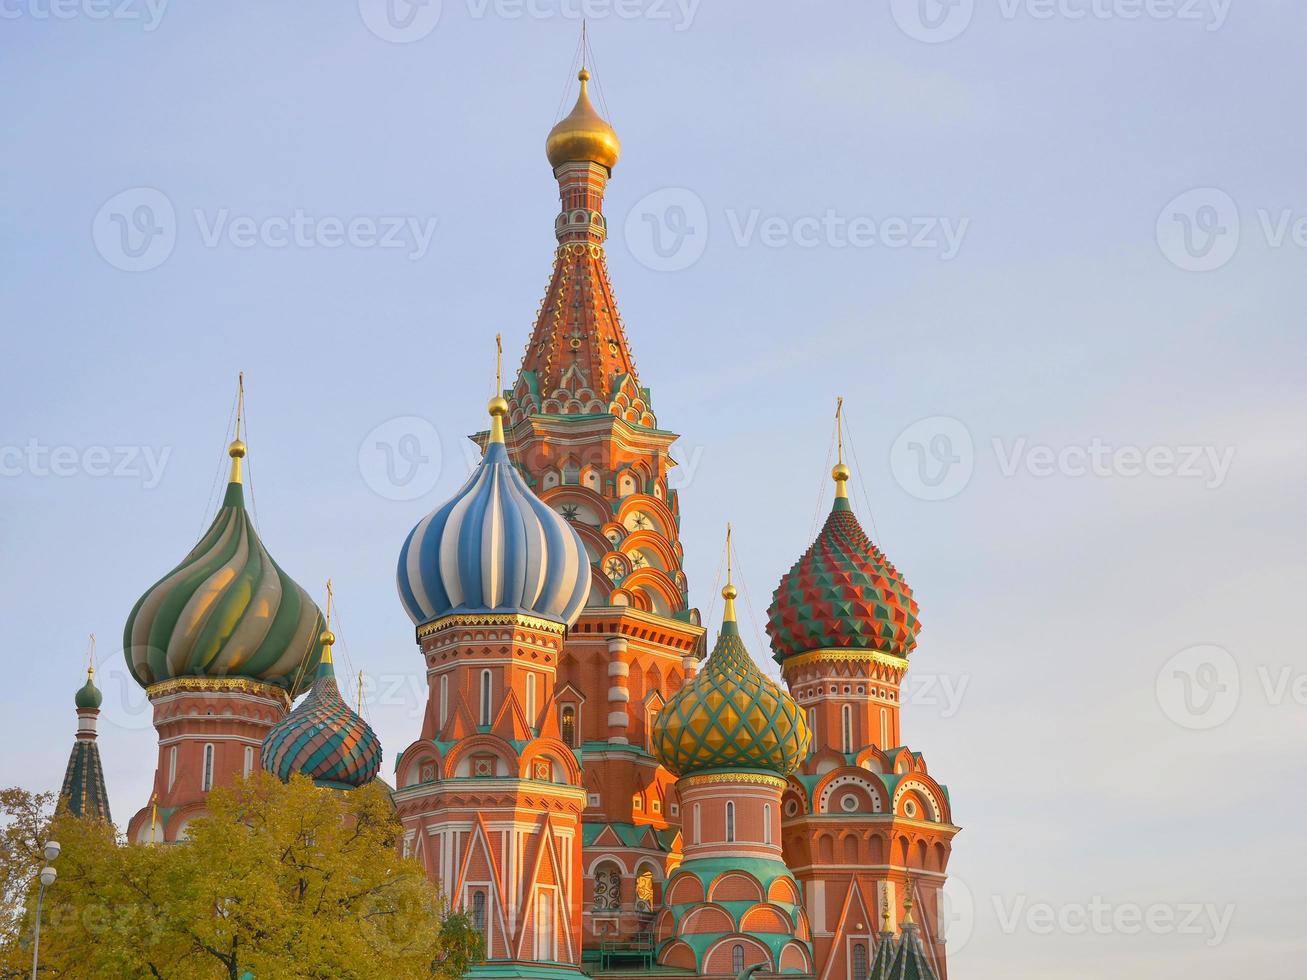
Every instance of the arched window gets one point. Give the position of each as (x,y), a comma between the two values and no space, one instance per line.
(608,887)
(697,836)
(172,766)
(766,823)
(249,761)
(568,724)
(644,891)
(884,729)
(206,777)
(730,822)
(812,725)
(859,961)
(485,697)
(846,722)
(444,699)
(479,915)
(737,959)
(531,700)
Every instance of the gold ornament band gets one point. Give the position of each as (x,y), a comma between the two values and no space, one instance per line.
(758,778)
(200,684)
(846,656)
(491,619)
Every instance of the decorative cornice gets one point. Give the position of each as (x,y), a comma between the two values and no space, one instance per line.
(844,656)
(244,685)
(757,778)
(489,619)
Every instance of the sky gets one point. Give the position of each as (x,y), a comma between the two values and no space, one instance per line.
(1050,252)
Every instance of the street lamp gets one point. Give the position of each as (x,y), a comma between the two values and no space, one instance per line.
(48,875)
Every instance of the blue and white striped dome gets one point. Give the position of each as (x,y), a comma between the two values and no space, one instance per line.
(494,547)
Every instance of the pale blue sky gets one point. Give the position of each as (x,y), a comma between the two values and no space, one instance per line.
(1069,317)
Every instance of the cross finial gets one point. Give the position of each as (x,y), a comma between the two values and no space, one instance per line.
(360,695)
(90,658)
(499,363)
(330,594)
(237,448)
(729,592)
(840,474)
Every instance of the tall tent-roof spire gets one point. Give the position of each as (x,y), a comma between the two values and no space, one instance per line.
(83,793)
(578,360)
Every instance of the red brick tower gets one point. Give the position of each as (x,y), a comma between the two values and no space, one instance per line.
(222,644)
(864,823)
(583,431)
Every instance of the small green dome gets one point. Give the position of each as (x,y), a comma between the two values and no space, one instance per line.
(731,716)
(88,695)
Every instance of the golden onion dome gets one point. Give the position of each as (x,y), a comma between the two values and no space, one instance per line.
(583,134)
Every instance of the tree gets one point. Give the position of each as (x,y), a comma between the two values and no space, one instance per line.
(26,822)
(277,880)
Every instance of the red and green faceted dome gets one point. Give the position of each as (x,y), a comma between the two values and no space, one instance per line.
(843,593)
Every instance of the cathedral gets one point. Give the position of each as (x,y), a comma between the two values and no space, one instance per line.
(598,783)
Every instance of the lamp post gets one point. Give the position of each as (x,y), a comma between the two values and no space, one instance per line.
(48,875)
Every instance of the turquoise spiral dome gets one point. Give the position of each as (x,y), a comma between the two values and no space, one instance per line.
(494,547)
(228,610)
(323,737)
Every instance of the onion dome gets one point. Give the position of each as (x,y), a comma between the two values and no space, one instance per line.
(88,695)
(730,716)
(82,792)
(227,611)
(843,593)
(495,547)
(583,134)
(323,737)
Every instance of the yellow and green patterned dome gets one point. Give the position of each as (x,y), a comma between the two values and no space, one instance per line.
(731,716)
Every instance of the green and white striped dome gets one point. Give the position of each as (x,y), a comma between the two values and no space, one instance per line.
(228,610)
